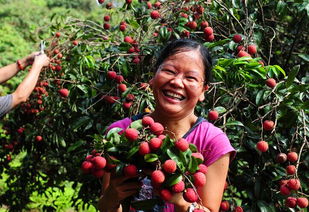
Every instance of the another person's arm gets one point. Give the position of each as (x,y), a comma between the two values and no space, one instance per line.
(9,71)
(26,87)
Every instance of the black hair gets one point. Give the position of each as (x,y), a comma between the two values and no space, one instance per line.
(176,46)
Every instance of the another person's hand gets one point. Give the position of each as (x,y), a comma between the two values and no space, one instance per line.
(41,60)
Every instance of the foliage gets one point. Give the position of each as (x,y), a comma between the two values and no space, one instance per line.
(238,93)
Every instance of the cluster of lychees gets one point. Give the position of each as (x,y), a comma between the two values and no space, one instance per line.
(142,149)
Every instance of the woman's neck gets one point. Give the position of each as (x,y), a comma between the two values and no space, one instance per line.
(176,127)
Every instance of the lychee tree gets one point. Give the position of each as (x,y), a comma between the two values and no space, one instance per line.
(99,73)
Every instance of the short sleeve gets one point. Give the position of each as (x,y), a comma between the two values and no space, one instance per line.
(5,104)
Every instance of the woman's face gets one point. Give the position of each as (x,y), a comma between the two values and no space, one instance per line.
(179,83)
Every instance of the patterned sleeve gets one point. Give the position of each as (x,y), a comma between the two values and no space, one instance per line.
(5,104)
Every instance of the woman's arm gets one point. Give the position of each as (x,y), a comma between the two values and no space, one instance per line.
(7,72)
(26,87)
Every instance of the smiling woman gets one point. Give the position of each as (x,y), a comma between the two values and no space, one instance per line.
(183,71)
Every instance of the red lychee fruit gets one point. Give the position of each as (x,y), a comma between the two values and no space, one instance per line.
(155,143)
(208,31)
(237,38)
(281,158)
(213,115)
(178,187)
(122,27)
(86,167)
(38,138)
(144,148)
(130,170)
(107,18)
(225,206)
(271,82)
(169,166)
(157,4)
(147,121)
(192,25)
(238,209)
(106,26)
(128,39)
(291,202)
(64,92)
(284,190)
(204,24)
(268,125)
(182,144)
(240,48)
(155,14)
(119,79)
(252,49)
(58,34)
(122,87)
(292,156)
(157,177)
(166,195)
(302,202)
(98,173)
(131,134)
(243,54)
(101,1)
(99,162)
(293,184)
(110,163)
(198,155)
(126,105)
(262,146)
(149,5)
(111,74)
(20,130)
(109,5)
(156,128)
(130,97)
(128,1)
(290,169)
(199,179)
(202,168)
(190,195)
(75,42)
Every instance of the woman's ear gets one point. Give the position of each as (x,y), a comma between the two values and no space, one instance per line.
(202,96)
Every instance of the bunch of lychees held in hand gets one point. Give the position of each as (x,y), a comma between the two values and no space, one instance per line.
(142,149)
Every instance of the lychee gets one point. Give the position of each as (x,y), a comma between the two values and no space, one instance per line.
(302,202)
(202,168)
(237,38)
(155,143)
(86,167)
(166,195)
(271,82)
(64,92)
(213,115)
(290,169)
(155,14)
(169,166)
(131,134)
(262,146)
(178,187)
(144,148)
(130,170)
(291,202)
(157,176)
(122,87)
(198,155)
(225,206)
(252,49)
(190,195)
(293,184)
(292,156)
(156,128)
(99,162)
(147,121)
(284,190)
(98,173)
(268,125)
(199,179)
(182,144)
(243,54)
(281,158)
(208,31)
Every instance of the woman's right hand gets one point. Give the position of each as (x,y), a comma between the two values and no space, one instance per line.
(119,188)
(41,60)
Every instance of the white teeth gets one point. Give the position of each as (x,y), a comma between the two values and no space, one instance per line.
(174,95)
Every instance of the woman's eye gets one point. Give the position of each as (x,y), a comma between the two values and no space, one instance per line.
(190,78)
(169,71)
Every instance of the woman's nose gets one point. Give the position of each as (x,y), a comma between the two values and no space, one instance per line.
(177,81)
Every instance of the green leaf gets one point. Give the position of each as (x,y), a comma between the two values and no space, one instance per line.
(113,131)
(280,69)
(259,96)
(193,165)
(80,122)
(76,145)
(132,152)
(172,180)
(82,88)
(263,206)
(220,109)
(137,124)
(304,57)
(151,158)
(234,123)
(292,75)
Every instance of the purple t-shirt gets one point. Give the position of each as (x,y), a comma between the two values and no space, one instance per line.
(210,141)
